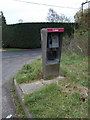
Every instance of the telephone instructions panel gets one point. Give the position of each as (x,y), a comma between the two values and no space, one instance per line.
(53,41)
(52,46)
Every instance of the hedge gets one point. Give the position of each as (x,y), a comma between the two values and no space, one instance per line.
(27,35)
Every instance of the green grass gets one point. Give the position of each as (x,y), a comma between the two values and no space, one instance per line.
(55,101)
(75,69)
(30,72)
(13,49)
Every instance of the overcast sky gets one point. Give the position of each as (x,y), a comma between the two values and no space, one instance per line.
(15,10)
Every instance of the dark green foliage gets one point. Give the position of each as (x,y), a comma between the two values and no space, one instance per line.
(2,18)
(27,35)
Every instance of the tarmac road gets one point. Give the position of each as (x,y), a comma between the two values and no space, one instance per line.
(12,61)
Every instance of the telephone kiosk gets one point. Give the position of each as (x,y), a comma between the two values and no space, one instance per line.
(51,42)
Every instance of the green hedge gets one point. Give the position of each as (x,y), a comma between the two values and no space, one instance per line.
(27,35)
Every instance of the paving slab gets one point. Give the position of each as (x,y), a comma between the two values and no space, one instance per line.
(31,87)
(28,88)
(47,82)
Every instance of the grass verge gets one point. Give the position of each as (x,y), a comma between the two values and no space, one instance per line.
(30,72)
(54,102)
(73,67)
(66,99)
(13,49)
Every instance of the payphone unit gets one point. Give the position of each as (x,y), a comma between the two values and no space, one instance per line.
(51,41)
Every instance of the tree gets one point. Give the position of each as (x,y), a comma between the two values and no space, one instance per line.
(20,21)
(2,18)
(83,17)
(54,17)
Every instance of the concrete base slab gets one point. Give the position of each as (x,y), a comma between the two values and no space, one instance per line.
(28,88)
(57,79)
(31,87)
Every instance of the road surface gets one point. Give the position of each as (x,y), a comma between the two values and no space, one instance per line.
(12,61)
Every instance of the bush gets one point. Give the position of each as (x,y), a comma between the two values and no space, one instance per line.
(27,35)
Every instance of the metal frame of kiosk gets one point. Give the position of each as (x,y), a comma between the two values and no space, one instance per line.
(51,42)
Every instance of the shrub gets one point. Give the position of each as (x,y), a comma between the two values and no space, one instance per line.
(27,35)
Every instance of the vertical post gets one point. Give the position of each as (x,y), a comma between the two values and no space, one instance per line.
(82,9)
